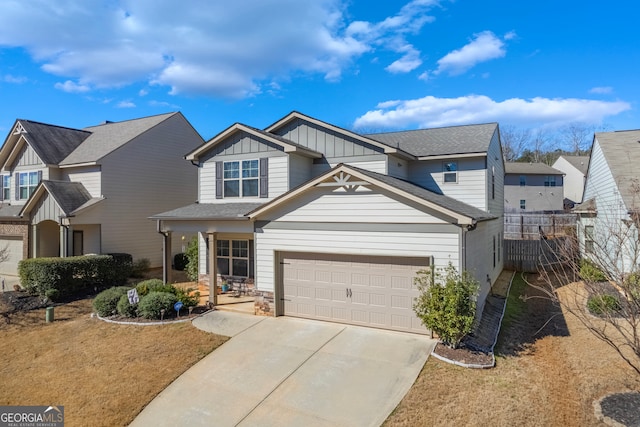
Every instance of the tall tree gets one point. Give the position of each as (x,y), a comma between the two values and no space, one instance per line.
(514,141)
(577,137)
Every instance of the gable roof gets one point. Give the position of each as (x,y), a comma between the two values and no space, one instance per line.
(445,141)
(530,169)
(621,150)
(581,163)
(110,136)
(459,212)
(50,142)
(296,115)
(69,196)
(287,146)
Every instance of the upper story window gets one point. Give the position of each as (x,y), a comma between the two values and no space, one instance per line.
(28,181)
(6,187)
(523,180)
(241,178)
(450,172)
(523,204)
(588,239)
(550,181)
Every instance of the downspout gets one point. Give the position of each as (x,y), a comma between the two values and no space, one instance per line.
(463,256)
(166,276)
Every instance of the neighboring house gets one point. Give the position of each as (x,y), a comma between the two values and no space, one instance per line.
(334,225)
(72,192)
(608,217)
(575,173)
(532,187)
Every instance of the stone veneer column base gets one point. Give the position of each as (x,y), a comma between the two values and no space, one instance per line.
(264,304)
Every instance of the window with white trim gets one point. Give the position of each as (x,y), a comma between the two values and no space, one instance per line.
(241,178)
(28,181)
(550,181)
(450,172)
(588,239)
(6,187)
(233,257)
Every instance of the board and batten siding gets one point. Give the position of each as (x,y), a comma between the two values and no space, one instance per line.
(321,205)
(442,246)
(239,144)
(27,158)
(277,181)
(146,176)
(46,209)
(471,187)
(89,176)
(323,140)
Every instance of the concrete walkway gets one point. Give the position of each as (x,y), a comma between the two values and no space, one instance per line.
(291,372)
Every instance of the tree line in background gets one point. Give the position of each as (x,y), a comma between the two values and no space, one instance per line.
(544,145)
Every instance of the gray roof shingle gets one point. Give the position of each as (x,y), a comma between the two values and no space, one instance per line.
(9,211)
(579,162)
(52,143)
(622,153)
(68,195)
(209,211)
(108,137)
(530,169)
(440,141)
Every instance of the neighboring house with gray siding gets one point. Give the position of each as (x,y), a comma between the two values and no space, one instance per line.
(574,169)
(329,224)
(79,191)
(608,217)
(533,187)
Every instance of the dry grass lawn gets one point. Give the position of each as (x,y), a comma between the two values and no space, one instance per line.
(549,378)
(103,374)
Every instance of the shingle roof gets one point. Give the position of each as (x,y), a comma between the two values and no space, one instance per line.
(622,153)
(68,195)
(108,137)
(209,211)
(9,211)
(430,196)
(52,143)
(440,141)
(579,162)
(530,169)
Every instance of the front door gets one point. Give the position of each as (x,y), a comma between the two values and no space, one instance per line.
(77,243)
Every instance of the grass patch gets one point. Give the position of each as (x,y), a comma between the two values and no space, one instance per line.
(103,374)
(515,303)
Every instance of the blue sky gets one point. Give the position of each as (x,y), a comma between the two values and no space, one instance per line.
(370,66)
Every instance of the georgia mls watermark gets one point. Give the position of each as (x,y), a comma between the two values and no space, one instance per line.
(31,416)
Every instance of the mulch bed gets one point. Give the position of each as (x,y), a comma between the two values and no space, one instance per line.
(13,301)
(464,355)
(622,408)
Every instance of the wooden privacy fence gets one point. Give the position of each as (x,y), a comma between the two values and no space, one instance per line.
(531,226)
(530,256)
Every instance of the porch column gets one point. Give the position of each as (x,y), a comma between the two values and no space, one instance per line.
(34,241)
(166,258)
(63,241)
(213,269)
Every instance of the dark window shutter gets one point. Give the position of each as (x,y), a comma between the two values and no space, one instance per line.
(17,185)
(1,187)
(264,177)
(219,181)
(39,176)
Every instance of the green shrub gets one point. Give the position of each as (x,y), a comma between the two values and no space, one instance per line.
(180,261)
(193,260)
(590,272)
(122,265)
(150,305)
(124,308)
(187,296)
(153,285)
(600,305)
(447,303)
(140,267)
(106,302)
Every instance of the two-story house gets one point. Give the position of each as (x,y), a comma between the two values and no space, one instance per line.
(334,225)
(533,187)
(574,169)
(79,191)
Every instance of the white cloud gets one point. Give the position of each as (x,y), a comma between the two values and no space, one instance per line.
(433,112)
(8,78)
(72,87)
(229,49)
(484,47)
(603,90)
(126,104)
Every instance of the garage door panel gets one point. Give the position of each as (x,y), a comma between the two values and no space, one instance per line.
(14,246)
(362,290)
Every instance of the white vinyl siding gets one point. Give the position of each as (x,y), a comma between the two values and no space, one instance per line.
(471,187)
(379,166)
(89,176)
(398,168)
(480,256)
(300,170)
(278,180)
(369,242)
(495,166)
(207,182)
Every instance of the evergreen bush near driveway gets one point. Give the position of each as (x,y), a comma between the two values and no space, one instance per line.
(106,302)
(126,309)
(153,285)
(152,304)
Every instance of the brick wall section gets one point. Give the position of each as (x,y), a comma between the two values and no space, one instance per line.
(17,228)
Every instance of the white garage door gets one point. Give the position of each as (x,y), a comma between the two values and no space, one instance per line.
(14,251)
(360,290)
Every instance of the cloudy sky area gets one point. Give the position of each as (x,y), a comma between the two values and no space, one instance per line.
(363,65)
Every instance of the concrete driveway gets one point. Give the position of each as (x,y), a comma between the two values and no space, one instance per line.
(285,371)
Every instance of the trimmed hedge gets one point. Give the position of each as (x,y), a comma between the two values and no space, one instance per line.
(106,302)
(150,305)
(153,285)
(63,277)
